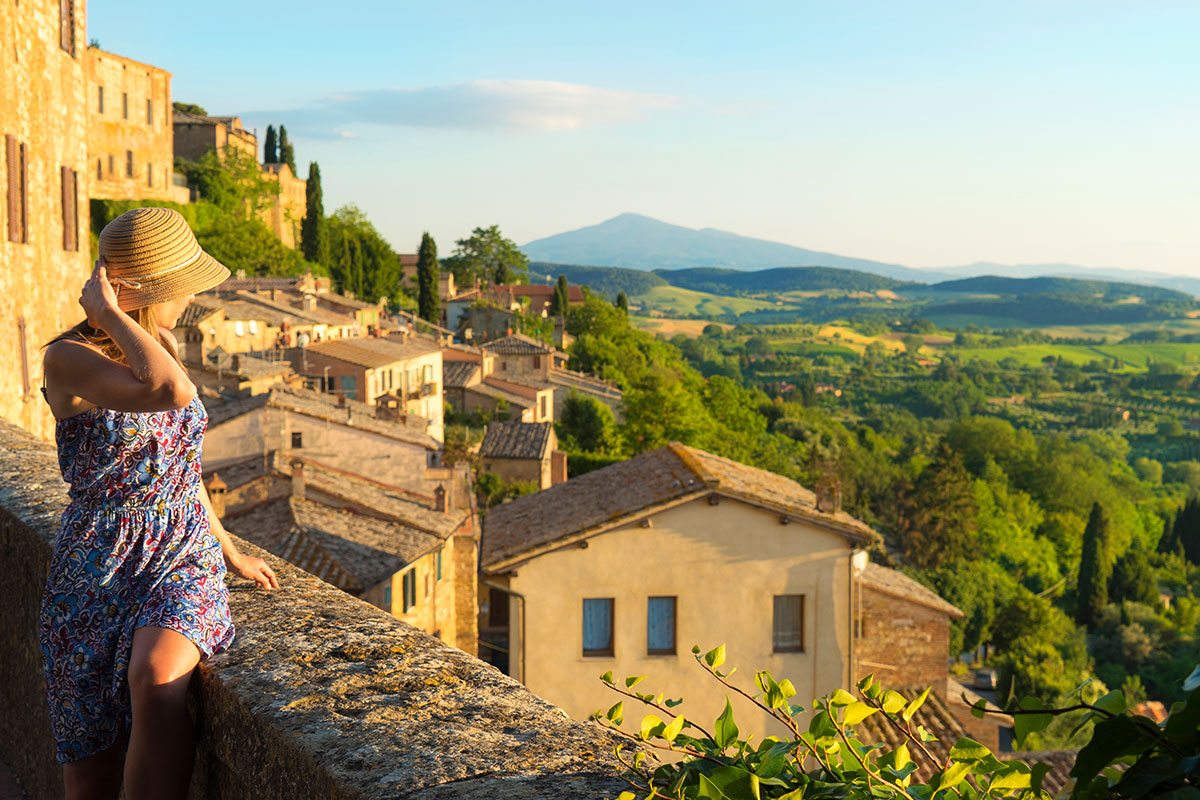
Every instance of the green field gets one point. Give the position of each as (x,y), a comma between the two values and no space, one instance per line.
(676,300)
(1135,356)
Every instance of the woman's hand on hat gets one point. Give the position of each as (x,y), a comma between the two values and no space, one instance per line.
(99,297)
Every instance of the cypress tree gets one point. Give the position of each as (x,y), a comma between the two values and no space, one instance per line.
(271,147)
(427,279)
(623,302)
(314,236)
(1187,529)
(287,155)
(564,301)
(1094,568)
(501,274)
(1133,578)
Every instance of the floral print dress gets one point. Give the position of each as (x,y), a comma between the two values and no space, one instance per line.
(135,550)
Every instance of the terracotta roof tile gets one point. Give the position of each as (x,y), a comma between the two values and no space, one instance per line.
(897,584)
(516,344)
(529,440)
(631,488)
(372,352)
(459,374)
(195,312)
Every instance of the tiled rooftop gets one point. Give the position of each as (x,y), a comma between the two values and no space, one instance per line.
(631,488)
(195,312)
(897,584)
(371,352)
(516,344)
(529,440)
(459,374)
(321,406)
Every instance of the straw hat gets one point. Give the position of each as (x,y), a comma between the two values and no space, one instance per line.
(151,256)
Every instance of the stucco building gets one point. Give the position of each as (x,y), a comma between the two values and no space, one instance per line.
(523,451)
(44,257)
(288,205)
(130,137)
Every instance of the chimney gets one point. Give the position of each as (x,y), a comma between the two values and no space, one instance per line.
(235,362)
(297,479)
(273,296)
(341,400)
(439,498)
(216,494)
(309,303)
(829,494)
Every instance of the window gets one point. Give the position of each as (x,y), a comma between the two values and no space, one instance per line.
(598,626)
(408,584)
(253,325)
(99,169)
(70,208)
(427,584)
(387,597)
(111,166)
(128,163)
(17,158)
(149,111)
(124,105)
(789,623)
(238,328)
(660,626)
(66,25)
(439,565)
(297,440)
(427,374)
(349,385)
(542,406)
(101,96)
(149,174)
(537,362)
(504,366)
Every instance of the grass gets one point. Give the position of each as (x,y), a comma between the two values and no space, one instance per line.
(677,300)
(671,327)
(1132,356)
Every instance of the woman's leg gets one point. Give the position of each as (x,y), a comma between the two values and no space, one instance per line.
(161,746)
(96,777)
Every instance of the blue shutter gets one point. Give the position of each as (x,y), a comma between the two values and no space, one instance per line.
(660,625)
(598,626)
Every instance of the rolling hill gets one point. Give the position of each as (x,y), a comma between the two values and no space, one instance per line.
(632,240)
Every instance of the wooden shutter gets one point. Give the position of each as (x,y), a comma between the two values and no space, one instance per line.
(66,22)
(70,209)
(13,173)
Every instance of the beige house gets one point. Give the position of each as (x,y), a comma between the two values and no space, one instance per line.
(523,451)
(413,556)
(402,375)
(524,359)
(44,188)
(288,205)
(316,324)
(130,137)
(627,567)
(339,433)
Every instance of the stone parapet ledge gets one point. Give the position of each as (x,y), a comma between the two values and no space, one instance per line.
(320,696)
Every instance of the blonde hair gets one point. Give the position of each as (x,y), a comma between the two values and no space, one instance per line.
(146,317)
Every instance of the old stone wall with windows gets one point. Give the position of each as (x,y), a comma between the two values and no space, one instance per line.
(43,193)
(130,150)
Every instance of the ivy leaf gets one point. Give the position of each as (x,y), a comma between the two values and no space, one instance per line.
(857,712)
(1025,724)
(787,688)
(841,697)
(978,707)
(672,730)
(901,757)
(1111,738)
(616,713)
(726,729)
(865,682)
(651,726)
(607,677)
(969,750)
(820,725)
(914,705)
(735,782)
(673,703)
(707,790)
(1192,681)
(715,657)
(1113,702)
(634,681)
(626,796)
(1036,774)
(951,775)
(893,701)
(1010,778)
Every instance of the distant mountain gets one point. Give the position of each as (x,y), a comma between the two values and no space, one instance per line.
(780,279)
(1167,280)
(632,240)
(1110,291)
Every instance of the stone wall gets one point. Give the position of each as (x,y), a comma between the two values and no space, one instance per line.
(321,695)
(40,277)
(902,642)
(130,151)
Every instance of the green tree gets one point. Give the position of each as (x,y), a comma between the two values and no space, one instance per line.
(558,301)
(314,237)
(623,304)
(1186,529)
(1133,578)
(188,108)
(1094,568)
(587,425)
(487,256)
(232,181)
(937,518)
(363,261)
(427,279)
(271,147)
(287,155)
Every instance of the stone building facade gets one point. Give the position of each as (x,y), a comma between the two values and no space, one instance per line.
(195,135)
(44,181)
(286,211)
(129,137)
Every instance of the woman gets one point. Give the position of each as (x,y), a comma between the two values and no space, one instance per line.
(135,596)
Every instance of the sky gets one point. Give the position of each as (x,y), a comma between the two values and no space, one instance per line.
(923,133)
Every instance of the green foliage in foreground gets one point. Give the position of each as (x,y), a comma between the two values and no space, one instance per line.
(1128,756)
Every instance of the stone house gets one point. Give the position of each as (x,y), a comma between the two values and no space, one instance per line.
(532,298)
(522,358)
(195,135)
(303,284)
(368,316)
(130,134)
(44,182)
(524,451)
(212,323)
(626,567)
(402,375)
(312,323)
(240,375)
(339,433)
(289,204)
(413,556)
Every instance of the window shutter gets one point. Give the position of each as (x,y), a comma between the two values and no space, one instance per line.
(24,193)
(12,170)
(66,22)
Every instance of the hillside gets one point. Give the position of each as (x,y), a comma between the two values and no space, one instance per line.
(1167,280)
(632,240)
(781,279)
(1066,287)
(607,281)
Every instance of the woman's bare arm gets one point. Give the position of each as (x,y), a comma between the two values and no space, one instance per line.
(237,562)
(152,380)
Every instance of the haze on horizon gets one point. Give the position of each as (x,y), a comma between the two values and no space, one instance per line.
(927,134)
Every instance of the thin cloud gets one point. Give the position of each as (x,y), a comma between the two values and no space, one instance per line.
(497,105)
